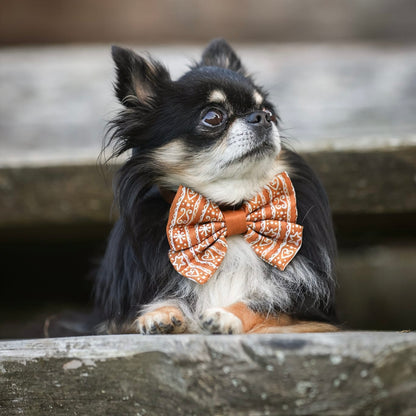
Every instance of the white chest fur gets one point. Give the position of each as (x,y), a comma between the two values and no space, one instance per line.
(241,276)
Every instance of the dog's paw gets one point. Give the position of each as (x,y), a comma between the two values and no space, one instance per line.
(220,321)
(164,320)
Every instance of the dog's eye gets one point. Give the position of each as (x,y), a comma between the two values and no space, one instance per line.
(213,118)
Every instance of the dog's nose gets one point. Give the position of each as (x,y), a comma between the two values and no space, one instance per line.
(259,118)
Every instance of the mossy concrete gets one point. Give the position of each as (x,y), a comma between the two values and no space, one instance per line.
(350,373)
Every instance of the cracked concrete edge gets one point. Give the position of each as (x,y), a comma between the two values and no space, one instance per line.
(362,345)
(349,373)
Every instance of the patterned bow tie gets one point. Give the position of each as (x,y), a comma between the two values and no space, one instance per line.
(197,229)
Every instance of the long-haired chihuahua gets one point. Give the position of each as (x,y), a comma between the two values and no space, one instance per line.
(222,228)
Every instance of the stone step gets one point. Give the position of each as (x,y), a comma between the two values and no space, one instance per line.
(55,101)
(349,373)
(344,107)
(80,195)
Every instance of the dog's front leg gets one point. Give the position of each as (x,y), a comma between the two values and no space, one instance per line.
(239,318)
(220,321)
(161,319)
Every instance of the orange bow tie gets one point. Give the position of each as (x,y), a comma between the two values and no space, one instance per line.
(197,229)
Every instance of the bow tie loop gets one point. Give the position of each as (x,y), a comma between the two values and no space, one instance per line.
(235,221)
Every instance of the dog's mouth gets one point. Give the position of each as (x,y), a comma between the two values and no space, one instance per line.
(253,149)
(258,151)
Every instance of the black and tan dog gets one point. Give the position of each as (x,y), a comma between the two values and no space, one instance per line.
(212,133)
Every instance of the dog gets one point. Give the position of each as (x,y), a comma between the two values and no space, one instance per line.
(214,136)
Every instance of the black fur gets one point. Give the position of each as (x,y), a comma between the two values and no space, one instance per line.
(136,268)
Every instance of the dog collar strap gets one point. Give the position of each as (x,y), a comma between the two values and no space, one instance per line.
(197,229)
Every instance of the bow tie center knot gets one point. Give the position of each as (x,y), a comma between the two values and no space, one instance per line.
(235,221)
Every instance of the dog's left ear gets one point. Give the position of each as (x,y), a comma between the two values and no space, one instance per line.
(139,80)
(220,53)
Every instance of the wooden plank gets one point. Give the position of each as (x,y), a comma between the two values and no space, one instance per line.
(315,374)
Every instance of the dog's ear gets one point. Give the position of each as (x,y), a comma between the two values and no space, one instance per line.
(220,53)
(138,79)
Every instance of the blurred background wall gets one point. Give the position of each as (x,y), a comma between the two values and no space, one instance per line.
(170,21)
(343,74)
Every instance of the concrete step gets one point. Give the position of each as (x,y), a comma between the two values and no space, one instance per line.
(350,373)
(55,101)
(81,194)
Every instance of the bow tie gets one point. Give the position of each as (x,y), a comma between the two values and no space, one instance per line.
(197,229)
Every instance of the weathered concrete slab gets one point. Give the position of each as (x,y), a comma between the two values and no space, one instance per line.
(55,101)
(310,374)
(59,195)
(376,181)
(55,195)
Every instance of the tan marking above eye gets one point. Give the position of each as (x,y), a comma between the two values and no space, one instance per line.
(217,96)
(258,99)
